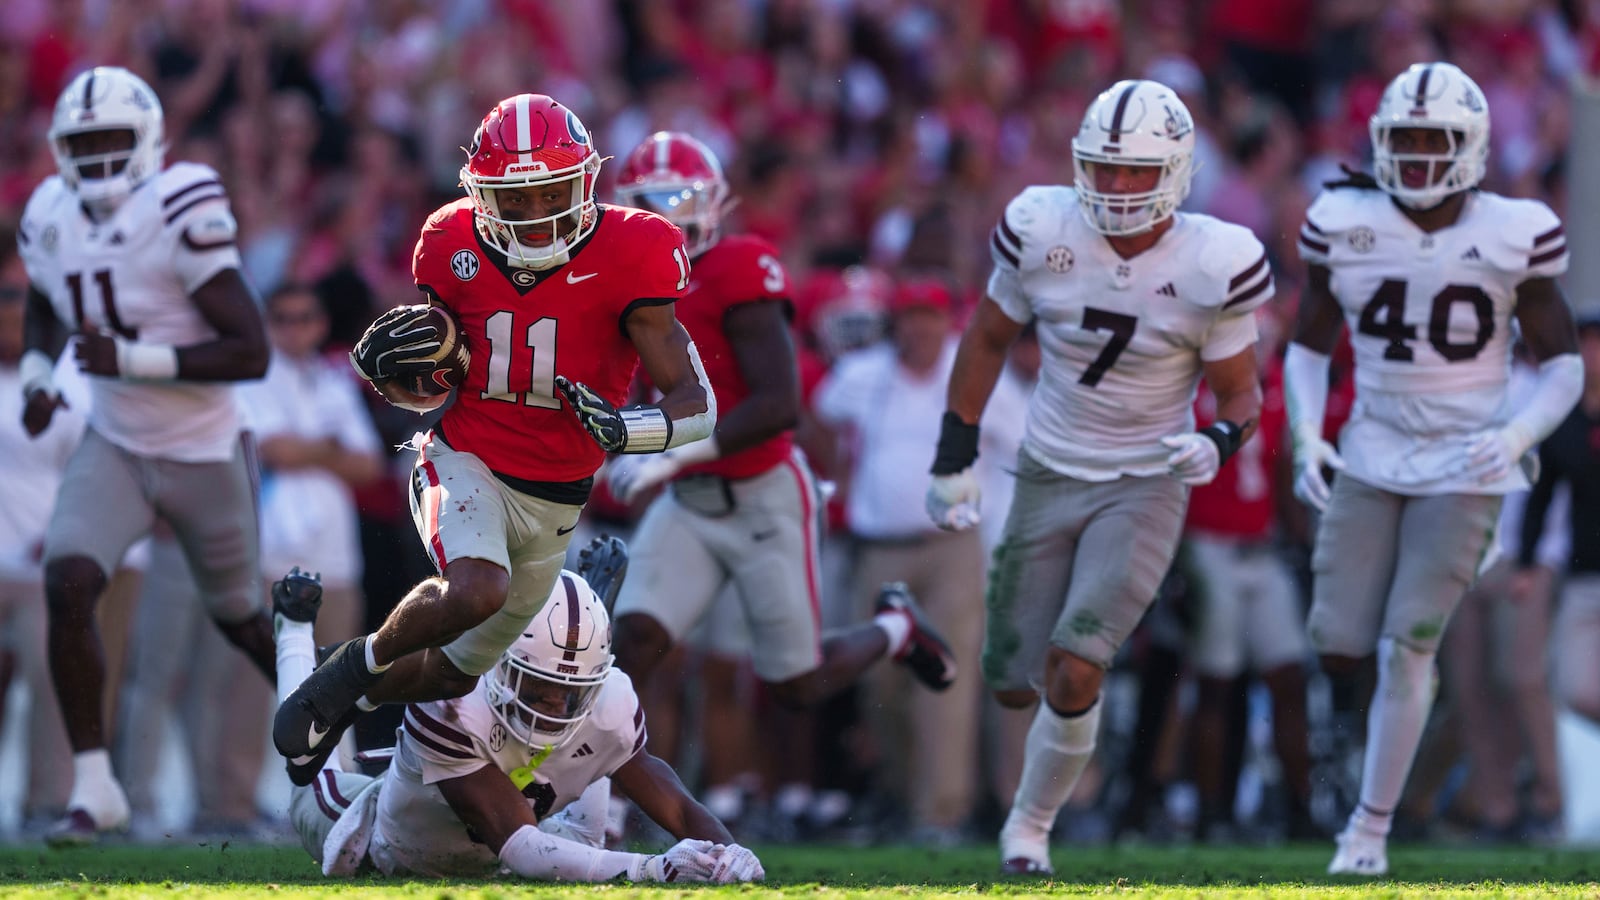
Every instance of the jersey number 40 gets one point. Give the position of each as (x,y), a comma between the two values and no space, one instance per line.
(1384,317)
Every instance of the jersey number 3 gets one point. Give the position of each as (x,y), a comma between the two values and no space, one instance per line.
(1384,317)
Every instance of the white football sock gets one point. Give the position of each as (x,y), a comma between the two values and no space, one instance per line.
(297,654)
(1399,713)
(95,789)
(1057,750)
(896,627)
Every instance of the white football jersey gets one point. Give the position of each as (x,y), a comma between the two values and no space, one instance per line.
(418,833)
(1122,340)
(132,275)
(1430,323)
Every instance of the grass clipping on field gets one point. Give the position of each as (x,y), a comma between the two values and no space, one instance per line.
(223,870)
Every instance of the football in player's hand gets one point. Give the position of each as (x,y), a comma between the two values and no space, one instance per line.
(449,361)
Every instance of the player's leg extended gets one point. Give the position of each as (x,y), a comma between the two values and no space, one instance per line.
(673,577)
(460,512)
(1442,542)
(1128,538)
(1278,650)
(1353,566)
(100,510)
(212,510)
(1214,570)
(774,554)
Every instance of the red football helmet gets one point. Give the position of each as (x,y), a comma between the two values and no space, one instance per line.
(532,143)
(673,174)
(845,309)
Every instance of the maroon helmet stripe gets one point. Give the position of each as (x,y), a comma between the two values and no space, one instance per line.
(1422,91)
(1121,110)
(571,651)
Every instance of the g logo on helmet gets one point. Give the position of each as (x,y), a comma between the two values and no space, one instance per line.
(575,128)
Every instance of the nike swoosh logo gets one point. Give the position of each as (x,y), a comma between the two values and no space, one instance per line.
(763,535)
(574,278)
(567,530)
(314,738)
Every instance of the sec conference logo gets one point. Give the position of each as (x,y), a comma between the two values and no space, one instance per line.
(1059,260)
(464,264)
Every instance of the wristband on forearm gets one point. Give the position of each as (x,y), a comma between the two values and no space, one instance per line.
(38,373)
(647,428)
(958,445)
(1226,435)
(153,362)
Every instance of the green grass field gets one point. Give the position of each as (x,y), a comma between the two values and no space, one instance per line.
(823,872)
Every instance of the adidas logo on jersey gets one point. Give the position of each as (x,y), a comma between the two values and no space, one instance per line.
(1472,253)
(583,750)
(1167,290)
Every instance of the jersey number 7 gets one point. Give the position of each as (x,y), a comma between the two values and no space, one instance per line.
(1121,327)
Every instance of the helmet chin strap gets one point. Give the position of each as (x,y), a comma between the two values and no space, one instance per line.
(557,255)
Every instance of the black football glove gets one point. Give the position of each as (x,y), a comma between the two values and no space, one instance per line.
(601,419)
(402,343)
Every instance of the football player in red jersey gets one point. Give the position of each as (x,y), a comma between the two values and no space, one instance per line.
(742,505)
(558,298)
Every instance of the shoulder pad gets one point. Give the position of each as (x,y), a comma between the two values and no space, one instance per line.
(1533,239)
(447,232)
(1235,263)
(184,188)
(1330,215)
(1032,214)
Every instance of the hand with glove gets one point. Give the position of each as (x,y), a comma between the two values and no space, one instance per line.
(598,415)
(1195,458)
(952,500)
(630,477)
(1311,454)
(1492,455)
(687,860)
(735,865)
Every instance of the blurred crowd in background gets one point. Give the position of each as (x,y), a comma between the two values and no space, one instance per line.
(869,140)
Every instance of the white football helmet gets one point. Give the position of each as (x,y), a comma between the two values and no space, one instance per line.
(107,98)
(544,686)
(1134,123)
(1432,95)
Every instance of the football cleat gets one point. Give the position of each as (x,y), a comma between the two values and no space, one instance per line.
(298,596)
(1022,865)
(926,654)
(303,769)
(604,563)
(1360,853)
(78,828)
(307,720)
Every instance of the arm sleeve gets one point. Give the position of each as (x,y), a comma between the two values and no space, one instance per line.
(536,854)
